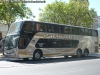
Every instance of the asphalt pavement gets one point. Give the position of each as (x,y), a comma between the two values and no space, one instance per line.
(52,66)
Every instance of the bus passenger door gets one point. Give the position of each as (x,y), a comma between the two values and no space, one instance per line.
(22,47)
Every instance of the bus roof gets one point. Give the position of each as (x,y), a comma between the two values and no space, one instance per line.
(55,24)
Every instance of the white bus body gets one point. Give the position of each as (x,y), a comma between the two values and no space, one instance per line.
(23,41)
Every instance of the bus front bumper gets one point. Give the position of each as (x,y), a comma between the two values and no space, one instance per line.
(10,55)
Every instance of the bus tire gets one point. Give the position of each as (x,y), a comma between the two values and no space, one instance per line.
(37,55)
(79,53)
(86,53)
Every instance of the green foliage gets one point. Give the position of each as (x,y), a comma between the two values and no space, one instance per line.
(10,11)
(75,13)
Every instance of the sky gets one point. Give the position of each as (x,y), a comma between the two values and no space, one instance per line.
(35,6)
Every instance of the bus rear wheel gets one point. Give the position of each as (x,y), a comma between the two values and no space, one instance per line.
(86,52)
(79,53)
(37,55)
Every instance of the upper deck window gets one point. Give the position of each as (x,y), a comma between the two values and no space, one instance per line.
(55,29)
(66,29)
(27,26)
(61,29)
(73,30)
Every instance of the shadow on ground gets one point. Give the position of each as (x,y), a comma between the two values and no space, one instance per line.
(54,60)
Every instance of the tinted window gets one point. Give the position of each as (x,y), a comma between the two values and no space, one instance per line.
(75,43)
(70,30)
(77,31)
(27,26)
(73,30)
(33,26)
(86,31)
(23,42)
(56,43)
(45,27)
(37,27)
(95,33)
(69,43)
(89,32)
(49,28)
(66,29)
(55,28)
(61,29)
(82,31)
(42,27)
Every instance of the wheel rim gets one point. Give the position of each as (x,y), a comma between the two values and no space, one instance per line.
(37,55)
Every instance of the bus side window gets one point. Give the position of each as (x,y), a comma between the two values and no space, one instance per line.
(77,31)
(64,43)
(37,27)
(27,26)
(83,32)
(86,31)
(61,29)
(73,30)
(49,28)
(70,30)
(80,32)
(68,43)
(55,28)
(41,27)
(33,26)
(95,33)
(92,32)
(89,32)
(58,43)
(66,29)
(22,42)
(45,27)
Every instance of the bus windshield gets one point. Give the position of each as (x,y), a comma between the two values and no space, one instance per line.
(14,28)
(9,42)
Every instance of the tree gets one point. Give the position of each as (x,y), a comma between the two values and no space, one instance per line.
(74,13)
(10,11)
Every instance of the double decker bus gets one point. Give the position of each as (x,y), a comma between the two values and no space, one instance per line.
(33,39)
(98,29)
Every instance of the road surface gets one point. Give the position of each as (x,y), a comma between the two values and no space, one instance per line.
(52,66)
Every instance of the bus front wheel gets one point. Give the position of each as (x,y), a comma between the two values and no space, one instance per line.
(37,55)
